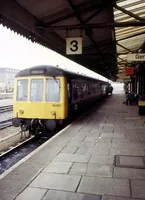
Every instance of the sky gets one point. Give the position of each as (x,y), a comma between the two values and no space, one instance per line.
(19,53)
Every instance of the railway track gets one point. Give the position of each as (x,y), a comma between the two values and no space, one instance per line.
(6,108)
(5,124)
(15,153)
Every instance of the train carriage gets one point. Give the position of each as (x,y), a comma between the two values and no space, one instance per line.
(45,96)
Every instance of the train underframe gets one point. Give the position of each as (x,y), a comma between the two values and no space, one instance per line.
(37,127)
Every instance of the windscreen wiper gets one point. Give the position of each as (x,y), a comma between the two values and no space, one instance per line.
(56,81)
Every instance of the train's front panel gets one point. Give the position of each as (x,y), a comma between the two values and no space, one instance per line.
(40,98)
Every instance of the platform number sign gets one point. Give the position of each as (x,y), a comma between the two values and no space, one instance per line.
(74,45)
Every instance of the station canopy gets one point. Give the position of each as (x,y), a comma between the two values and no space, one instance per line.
(109,29)
(129,39)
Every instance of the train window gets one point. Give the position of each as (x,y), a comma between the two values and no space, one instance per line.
(79,90)
(52,90)
(36,90)
(22,90)
(75,91)
(68,89)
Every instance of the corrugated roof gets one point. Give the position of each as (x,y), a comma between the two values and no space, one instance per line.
(129,39)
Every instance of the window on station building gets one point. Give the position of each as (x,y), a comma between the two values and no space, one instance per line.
(52,90)
(22,90)
(36,91)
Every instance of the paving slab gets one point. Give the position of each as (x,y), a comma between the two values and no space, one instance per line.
(118,128)
(99,170)
(85,150)
(91,138)
(70,150)
(103,145)
(105,186)
(95,132)
(79,138)
(104,134)
(58,167)
(79,168)
(108,125)
(32,193)
(66,157)
(90,151)
(119,198)
(56,181)
(138,188)
(119,135)
(102,159)
(59,195)
(126,151)
(74,143)
(88,144)
(129,173)
(135,146)
(104,140)
(130,161)
(126,140)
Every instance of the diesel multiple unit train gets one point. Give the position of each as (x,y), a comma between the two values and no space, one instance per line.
(45,96)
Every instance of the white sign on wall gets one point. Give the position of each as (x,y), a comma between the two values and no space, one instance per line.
(136,57)
(74,45)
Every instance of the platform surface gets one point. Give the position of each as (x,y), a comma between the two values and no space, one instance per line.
(100,157)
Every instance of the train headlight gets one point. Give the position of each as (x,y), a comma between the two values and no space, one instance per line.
(21,111)
(53,112)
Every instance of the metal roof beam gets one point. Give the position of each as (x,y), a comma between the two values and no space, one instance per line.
(122,63)
(71,15)
(123,47)
(107,46)
(88,31)
(55,21)
(133,11)
(129,13)
(120,58)
(93,15)
(129,5)
(93,26)
(106,55)
(101,43)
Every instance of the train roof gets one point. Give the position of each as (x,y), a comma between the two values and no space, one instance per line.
(48,70)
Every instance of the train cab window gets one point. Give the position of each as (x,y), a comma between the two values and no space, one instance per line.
(36,93)
(22,90)
(52,90)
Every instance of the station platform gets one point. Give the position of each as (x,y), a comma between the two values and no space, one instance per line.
(101,156)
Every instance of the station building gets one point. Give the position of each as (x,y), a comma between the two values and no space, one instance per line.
(7,76)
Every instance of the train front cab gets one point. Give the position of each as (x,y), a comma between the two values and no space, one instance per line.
(41,99)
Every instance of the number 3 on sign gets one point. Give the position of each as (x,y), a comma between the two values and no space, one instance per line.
(74,45)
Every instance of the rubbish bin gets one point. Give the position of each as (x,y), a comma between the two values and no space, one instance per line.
(141,105)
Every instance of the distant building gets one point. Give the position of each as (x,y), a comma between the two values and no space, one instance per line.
(7,76)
